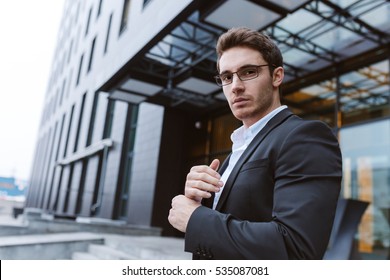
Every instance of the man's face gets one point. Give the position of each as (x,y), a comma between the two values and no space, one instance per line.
(252,99)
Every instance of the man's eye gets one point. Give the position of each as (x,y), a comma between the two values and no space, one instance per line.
(248,72)
(226,77)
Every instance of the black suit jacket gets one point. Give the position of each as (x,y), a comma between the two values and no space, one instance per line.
(279,201)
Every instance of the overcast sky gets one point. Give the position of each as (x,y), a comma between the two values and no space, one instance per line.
(28,32)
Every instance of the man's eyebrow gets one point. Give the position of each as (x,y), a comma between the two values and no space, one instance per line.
(239,68)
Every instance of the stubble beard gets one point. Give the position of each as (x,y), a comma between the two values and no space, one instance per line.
(256,109)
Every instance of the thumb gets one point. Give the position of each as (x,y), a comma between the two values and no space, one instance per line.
(214,164)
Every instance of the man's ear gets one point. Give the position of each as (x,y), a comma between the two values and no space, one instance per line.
(278,76)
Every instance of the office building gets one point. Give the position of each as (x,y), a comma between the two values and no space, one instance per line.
(131,103)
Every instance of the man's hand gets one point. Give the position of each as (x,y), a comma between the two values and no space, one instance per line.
(202,180)
(181,211)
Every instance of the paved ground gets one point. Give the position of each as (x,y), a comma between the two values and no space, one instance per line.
(144,247)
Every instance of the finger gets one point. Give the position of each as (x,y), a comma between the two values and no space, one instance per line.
(214,164)
(213,185)
(196,194)
(206,169)
(171,216)
(175,200)
(204,178)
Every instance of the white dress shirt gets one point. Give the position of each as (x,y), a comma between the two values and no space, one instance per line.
(241,138)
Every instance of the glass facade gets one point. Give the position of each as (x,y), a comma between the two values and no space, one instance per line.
(220,144)
(315,102)
(364,93)
(128,159)
(355,96)
(366,176)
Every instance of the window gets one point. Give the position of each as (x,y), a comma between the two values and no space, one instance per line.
(366,176)
(57,197)
(92,119)
(109,118)
(91,55)
(94,210)
(108,34)
(364,93)
(60,138)
(76,142)
(125,15)
(80,192)
(88,21)
(221,129)
(146,2)
(68,188)
(69,129)
(318,101)
(50,170)
(80,67)
(62,91)
(99,8)
(128,156)
(47,164)
(49,205)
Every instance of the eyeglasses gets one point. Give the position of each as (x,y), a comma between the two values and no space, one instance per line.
(244,74)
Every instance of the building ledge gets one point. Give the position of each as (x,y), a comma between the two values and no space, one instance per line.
(87,152)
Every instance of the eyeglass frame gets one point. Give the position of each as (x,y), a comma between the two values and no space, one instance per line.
(216,77)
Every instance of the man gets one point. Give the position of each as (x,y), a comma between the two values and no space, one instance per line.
(277,195)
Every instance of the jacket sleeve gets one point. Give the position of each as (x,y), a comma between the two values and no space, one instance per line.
(307,180)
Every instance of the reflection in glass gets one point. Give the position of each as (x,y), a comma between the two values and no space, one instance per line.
(376,13)
(366,176)
(365,93)
(315,102)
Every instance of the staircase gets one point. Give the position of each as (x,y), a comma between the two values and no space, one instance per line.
(51,246)
(120,247)
(35,236)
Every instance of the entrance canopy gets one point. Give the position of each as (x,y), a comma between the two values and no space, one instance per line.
(319,40)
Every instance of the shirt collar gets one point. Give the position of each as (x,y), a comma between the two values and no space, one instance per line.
(243,135)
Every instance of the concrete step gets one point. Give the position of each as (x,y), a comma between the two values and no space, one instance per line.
(49,224)
(46,246)
(149,247)
(121,247)
(104,252)
(83,256)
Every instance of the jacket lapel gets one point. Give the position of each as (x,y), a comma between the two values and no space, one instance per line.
(224,164)
(274,122)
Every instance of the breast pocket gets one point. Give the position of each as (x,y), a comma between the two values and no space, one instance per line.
(255,176)
(260,163)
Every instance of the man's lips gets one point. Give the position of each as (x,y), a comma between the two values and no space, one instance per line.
(239,100)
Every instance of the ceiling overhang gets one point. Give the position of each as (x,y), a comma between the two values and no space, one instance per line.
(176,68)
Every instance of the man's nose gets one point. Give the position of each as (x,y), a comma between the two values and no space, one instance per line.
(236,82)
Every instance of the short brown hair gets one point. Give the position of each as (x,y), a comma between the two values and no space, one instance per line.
(245,37)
